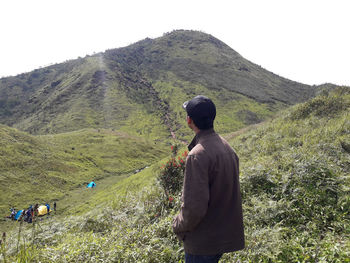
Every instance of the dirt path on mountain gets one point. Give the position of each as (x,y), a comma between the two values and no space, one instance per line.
(230,136)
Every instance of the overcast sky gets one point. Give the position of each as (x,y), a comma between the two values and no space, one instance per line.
(304,40)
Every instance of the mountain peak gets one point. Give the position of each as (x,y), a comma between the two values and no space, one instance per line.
(142,85)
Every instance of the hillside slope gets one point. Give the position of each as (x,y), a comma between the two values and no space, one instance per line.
(295,186)
(45,168)
(140,89)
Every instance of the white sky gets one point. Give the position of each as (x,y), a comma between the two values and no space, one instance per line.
(304,40)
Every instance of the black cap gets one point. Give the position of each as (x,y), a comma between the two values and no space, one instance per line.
(201,110)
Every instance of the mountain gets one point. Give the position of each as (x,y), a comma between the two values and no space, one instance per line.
(106,116)
(140,89)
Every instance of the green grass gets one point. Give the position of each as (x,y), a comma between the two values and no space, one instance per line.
(295,186)
(136,89)
(234,111)
(295,182)
(36,169)
(105,223)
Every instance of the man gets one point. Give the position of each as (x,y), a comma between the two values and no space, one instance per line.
(210,221)
(48,208)
(13,213)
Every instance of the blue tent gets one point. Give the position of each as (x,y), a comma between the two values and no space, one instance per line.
(18,214)
(91,185)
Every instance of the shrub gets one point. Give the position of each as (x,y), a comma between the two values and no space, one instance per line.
(258,182)
(321,106)
(171,173)
(313,190)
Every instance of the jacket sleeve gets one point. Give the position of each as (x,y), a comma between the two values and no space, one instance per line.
(195,195)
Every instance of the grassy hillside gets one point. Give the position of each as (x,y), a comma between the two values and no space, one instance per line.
(45,168)
(295,185)
(204,60)
(140,89)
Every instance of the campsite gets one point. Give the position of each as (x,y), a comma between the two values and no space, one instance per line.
(38,210)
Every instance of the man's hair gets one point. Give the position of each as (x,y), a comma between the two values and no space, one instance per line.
(202,111)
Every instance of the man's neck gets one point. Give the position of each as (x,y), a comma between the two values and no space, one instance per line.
(196,131)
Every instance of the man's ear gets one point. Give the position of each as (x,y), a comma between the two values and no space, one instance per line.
(189,120)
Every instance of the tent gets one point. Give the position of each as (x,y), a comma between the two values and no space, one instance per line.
(42,210)
(91,185)
(18,214)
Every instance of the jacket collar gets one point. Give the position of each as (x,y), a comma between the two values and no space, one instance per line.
(200,135)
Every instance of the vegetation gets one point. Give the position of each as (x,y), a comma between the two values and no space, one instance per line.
(171,175)
(139,89)
(37,169)
(295,186)
(111,118)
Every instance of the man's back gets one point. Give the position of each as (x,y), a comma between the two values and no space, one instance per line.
(211,215)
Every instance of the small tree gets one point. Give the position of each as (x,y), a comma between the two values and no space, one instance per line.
(172,172)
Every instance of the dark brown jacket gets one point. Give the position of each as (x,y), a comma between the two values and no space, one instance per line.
(210,221)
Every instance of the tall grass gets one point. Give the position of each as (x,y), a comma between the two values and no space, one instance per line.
(3,247)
